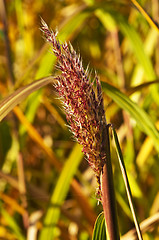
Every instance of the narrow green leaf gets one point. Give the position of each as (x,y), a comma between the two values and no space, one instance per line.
(74,24)
(138,114)
(127,185)
(138,48)
(16,97)
(107,20)
(53,213)
(133,37)
(10,160)
(149,47)
(12,224)
(99,232)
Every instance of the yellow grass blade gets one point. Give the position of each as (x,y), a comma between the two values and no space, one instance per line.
(145,14)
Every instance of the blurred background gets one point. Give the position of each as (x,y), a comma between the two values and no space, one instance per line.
(47,189)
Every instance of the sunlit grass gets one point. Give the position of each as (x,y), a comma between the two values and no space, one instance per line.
(121,44)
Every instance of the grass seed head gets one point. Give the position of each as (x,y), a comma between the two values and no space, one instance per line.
(82,102)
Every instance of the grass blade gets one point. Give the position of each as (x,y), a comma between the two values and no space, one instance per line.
(137,113)
(145,14)
(59,193)
(99,232)
(12,224)
(15,98)
(133,37)
(126,182)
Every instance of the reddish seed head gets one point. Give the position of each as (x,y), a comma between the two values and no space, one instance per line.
(83,106)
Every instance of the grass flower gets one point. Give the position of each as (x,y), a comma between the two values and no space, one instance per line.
(82,101)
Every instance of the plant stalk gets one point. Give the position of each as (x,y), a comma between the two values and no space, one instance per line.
(127,185)
(108,194)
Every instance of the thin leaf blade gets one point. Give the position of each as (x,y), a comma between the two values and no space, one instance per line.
(59,194)
(99,232)
(19,95)
(138,114)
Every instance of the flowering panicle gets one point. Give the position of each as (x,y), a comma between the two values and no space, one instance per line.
(83,105)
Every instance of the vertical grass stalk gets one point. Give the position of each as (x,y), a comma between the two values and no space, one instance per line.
(108,194)
(83,104)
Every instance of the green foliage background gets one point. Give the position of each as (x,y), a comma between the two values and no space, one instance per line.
(46,185)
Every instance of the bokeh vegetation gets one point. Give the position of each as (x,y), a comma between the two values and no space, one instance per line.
(46,185)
